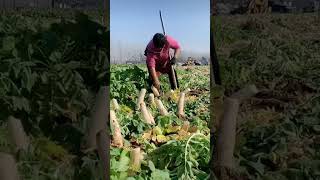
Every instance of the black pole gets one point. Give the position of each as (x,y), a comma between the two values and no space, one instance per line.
(215,70)
(213,53)
(173,72)
(164,32)
(215,63)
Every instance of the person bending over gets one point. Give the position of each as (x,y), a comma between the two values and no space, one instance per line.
(158,58)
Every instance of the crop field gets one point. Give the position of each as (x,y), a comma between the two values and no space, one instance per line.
(278,133)
(171,148)
(48,60)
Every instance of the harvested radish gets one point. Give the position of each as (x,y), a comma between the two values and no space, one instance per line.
(141,98)
(155,91)
(145,113)
(115,104)
(151,98)
(117,137)
(135,159)
(17,134)
(161,108)
(227,134)
(181,105)
(99,118)
(8,167)
(151,117)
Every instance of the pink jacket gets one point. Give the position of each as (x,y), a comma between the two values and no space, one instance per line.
(157,57)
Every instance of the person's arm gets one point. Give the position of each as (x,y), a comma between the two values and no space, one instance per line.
(155,79)
(174,45)
(151,64)
(177,53)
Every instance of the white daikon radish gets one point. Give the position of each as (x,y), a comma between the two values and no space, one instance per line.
(136,158)
(162,109)
(151,117)
(155,91)
(99,118)
(145,113)
(17,134)
(141,98)
(151,99)
(181,105)
(117,136)
(227,134)
(8,167)
(115,104)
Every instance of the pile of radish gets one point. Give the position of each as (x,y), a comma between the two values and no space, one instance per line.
(154,99)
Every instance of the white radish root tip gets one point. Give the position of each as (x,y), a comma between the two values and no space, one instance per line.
(146,114)
(162,109)
(155,91)
(135,159)
(117,136)
(151,98)
(141,98)
(17,134)
(115,104)
(181,105)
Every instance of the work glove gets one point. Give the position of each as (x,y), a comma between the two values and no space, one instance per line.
(173,61)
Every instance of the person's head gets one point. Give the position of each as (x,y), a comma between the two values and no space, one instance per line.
(159,40)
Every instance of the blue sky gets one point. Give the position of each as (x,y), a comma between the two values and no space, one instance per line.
(133,23)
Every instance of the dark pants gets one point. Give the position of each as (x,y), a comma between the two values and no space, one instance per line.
(150,82)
